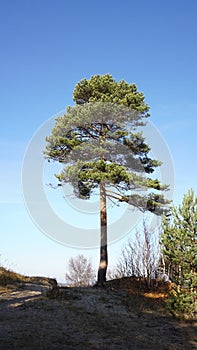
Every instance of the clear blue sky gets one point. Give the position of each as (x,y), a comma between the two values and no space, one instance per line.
(46,48)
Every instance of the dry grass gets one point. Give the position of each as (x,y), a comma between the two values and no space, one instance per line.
(9,277)
(140,286)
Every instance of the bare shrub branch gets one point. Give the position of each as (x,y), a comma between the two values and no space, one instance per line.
(81,273)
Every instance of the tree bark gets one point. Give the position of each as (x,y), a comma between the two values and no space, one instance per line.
(103,237)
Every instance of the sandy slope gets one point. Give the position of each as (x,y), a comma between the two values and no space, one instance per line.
(87,318)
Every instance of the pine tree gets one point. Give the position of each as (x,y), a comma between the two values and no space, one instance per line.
(179,241)
(99,145)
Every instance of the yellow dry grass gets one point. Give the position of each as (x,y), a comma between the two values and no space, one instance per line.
(140,286)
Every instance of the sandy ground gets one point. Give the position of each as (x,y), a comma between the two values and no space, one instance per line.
(87,318)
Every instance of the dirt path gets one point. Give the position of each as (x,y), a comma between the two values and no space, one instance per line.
(88,318)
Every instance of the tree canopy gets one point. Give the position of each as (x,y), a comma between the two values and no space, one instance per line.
(103,88)
(98,141)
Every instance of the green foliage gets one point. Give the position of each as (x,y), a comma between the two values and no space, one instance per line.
(181,302)
(97,141)
(104,88)
(179,241)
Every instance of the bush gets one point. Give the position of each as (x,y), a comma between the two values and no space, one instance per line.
(81,273)
(181,303)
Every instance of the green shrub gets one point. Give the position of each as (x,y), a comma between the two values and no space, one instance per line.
(182,303)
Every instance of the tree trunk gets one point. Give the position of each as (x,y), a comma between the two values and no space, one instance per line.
(103,237)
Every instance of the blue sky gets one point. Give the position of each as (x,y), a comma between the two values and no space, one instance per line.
(46,48)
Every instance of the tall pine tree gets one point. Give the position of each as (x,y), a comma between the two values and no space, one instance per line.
(99,145)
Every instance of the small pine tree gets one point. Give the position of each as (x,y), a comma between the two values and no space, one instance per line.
(179,242)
